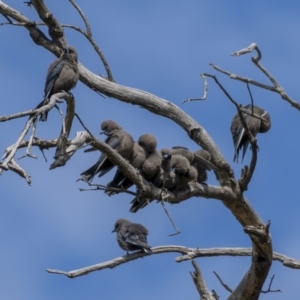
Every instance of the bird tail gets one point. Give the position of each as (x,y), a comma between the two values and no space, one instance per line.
(44,115)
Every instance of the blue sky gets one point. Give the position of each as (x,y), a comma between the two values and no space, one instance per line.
(160,47)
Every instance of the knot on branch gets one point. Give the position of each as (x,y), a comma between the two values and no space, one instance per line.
(262,232)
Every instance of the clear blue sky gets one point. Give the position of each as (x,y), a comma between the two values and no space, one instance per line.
(160,47)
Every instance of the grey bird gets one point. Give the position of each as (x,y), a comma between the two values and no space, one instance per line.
(184,171)
(145,146)
(194,157)
(165,177)
(153,161)
(62,75)
(117,139)
(131,236)
(200,166)
(184,152)
(136,159)
(239,135)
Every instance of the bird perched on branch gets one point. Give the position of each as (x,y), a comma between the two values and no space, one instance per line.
(201,166)
(184,171)
(62,75)
(131,236)
(118,139)
(255,125)
(136,159)
(144,157)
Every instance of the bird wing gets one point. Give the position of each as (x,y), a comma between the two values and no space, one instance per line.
(207,163)
(52,75)
(105,165)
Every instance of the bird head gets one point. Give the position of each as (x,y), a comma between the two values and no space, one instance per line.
(108,127)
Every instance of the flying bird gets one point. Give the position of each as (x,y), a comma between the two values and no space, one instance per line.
(131,236)
(62,75)
(117,139)
(255,125)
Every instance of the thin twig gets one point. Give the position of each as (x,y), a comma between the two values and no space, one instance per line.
(205,91)
(28,152)
(88,35)
(224,285)
(269,289)
(256,60)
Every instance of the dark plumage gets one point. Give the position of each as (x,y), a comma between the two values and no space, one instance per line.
(239,135)
(184,152)
(62,75)
(184,171)
(119,140)
(136,159)
(200,166)
(131,236)
(165,177)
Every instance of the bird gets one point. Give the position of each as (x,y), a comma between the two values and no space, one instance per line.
(200,166)
(117,139)
(255,125)
(184,171)
(145,146)
(136,159)
(62,75)
(153,160)
(131,236)
(184,152)
(165,178)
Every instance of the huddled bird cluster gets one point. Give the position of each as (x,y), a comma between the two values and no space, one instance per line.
(170,169)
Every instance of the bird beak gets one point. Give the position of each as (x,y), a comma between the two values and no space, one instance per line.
(113,231)
(66,50)
(102,132)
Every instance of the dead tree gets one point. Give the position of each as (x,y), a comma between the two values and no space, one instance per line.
(229,191)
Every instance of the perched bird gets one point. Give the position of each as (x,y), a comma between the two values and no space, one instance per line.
(151,166)
(132,236)
(62,75)
(200,166)
(153,161)
(184,171)
(165,177)
(145,147)
(117,139)
(136,159)
(255,125)
(184,152)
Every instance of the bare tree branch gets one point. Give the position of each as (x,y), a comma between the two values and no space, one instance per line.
(88,35)
(205,91)
(189,254)
(199,282)
(275,88)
